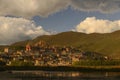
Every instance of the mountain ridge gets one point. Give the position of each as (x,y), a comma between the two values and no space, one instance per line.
(107,43)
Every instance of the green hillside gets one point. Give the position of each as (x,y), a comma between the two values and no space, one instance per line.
(107,44)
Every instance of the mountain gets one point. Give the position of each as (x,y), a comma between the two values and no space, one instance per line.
(107,44)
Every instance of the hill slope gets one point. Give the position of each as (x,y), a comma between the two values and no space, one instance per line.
(107,44)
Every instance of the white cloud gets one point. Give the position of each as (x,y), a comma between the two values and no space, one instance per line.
(93,25)
(30,8)
(17,29)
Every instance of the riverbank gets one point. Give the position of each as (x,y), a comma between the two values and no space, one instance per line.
(62,68)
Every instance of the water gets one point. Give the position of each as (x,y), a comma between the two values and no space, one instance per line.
(46,75)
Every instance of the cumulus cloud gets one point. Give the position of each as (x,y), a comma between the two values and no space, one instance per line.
(93,25)
(30,8)
(17,29)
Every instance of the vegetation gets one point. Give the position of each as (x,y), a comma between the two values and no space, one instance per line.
(97,63)
(21,63)
(2,63)
(62,68)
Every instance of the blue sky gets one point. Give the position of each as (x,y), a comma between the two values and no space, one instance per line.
(67,20)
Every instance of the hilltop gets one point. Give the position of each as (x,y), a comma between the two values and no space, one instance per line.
(106,44)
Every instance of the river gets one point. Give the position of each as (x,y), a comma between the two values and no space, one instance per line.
(49,75)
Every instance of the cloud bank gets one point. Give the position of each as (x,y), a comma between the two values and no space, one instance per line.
(44,8)
(17,29)
(30,8)
(103,6)
(93,25)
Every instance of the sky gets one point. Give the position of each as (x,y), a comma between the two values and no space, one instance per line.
(26,19)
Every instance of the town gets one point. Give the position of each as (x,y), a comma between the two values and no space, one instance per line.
(44,55)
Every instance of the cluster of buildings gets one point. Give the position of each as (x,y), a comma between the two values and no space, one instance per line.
(42,55)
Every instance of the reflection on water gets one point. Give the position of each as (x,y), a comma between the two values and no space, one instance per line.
(46,75)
